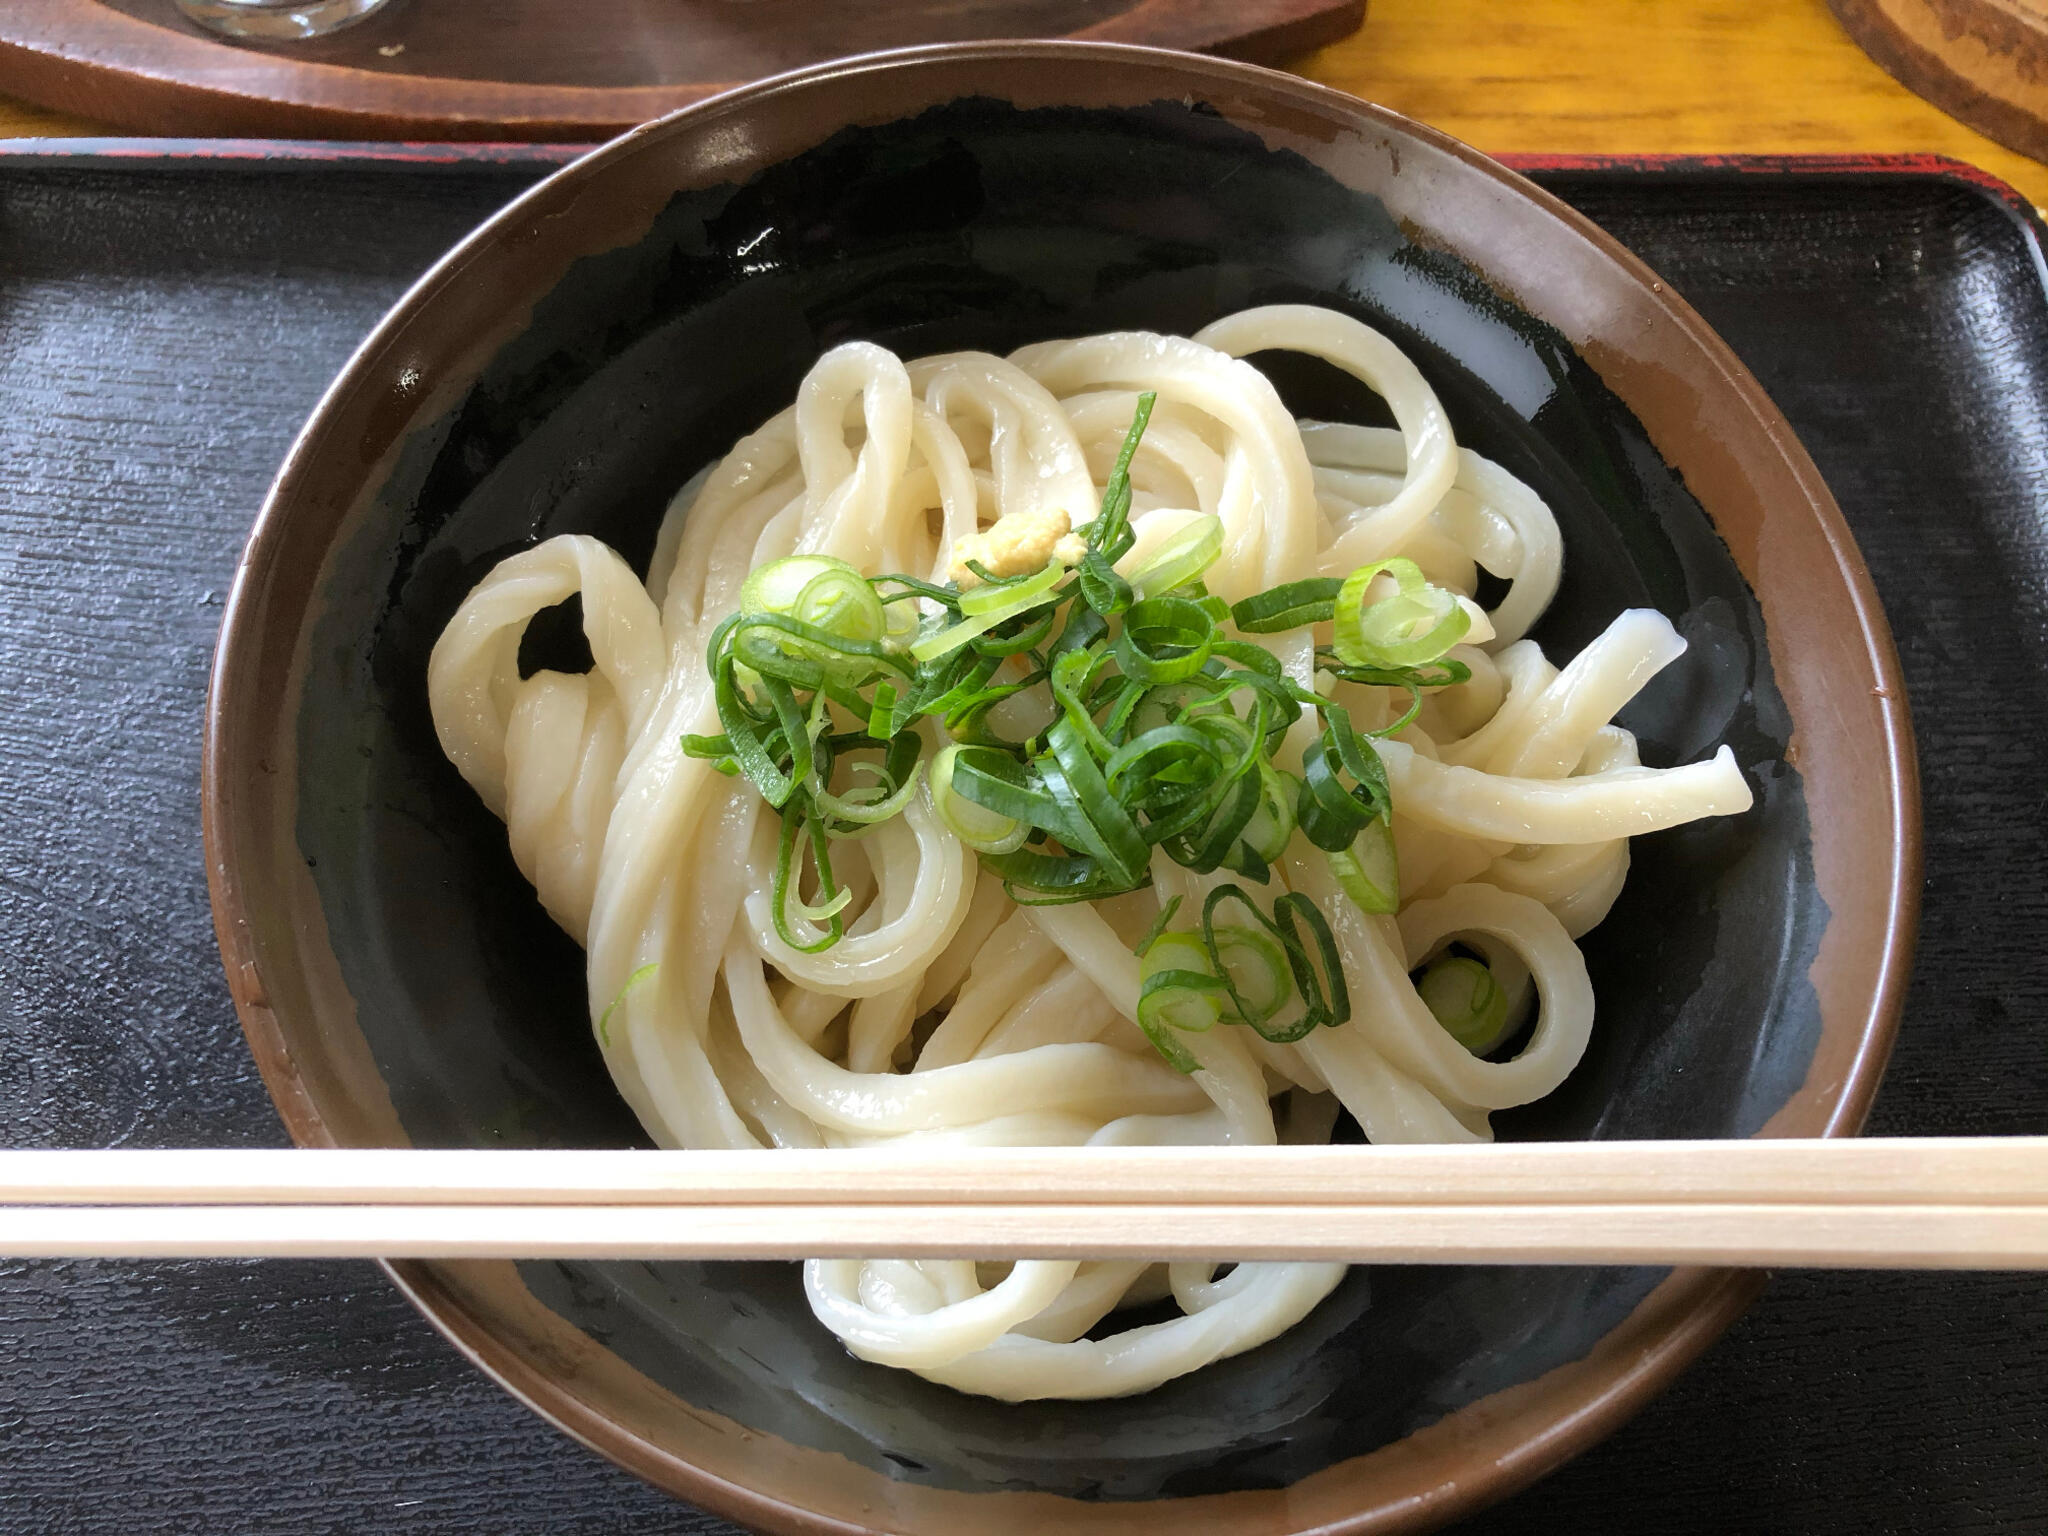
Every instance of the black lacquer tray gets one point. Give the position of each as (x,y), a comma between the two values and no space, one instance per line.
(168,315)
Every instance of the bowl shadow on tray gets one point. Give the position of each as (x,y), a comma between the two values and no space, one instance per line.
(982,225)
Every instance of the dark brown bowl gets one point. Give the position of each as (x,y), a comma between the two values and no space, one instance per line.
(581,354)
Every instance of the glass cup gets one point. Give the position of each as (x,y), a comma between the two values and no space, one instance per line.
(279,20)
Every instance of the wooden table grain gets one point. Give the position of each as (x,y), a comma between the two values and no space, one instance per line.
(1647,77)
(1620,76)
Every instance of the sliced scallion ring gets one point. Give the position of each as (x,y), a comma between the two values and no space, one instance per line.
(820,591)
(777,586)
(901,621)
(1467,1000)
(1164,640)
(1186,552)
(1272,824)
(1318,979)
(1411,627)
(993,606)
(865,813)
(1258,970)
(842,616)
(983,830)
(1178,993)
(1012,595)
(1368,870)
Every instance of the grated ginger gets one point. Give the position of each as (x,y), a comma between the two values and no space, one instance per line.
(1017,545)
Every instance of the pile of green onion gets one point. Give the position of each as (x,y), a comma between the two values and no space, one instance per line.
(1163,738)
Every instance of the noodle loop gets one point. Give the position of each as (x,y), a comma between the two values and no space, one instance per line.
(944,1011)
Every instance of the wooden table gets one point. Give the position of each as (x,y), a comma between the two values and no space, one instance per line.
(1599,76)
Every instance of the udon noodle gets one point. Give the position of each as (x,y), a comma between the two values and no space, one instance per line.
(950,1013)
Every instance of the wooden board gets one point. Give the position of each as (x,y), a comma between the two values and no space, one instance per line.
(1703,77)
(538,69)
(1985,61)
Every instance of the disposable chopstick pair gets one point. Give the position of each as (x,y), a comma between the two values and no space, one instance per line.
(1948,1203)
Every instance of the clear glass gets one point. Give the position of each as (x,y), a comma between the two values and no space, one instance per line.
(279,20)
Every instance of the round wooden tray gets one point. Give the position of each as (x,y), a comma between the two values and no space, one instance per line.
(542,69)
(1982,61)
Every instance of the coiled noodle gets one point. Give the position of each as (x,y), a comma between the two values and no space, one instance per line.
(951,1014)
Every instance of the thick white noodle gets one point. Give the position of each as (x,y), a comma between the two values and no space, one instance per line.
(951,1015)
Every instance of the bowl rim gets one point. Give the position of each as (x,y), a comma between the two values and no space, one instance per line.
(1571,1408)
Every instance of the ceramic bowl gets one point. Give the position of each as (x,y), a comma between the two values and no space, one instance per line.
(574,361)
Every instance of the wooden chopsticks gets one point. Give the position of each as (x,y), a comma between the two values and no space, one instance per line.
(1946,1203)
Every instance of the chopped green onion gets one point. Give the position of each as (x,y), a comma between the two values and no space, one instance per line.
(1257,968)
(900,622)
(1231,806)
(1442,673)
(1226,797)
(1415,625)
(1163,766)
(1187,552)
(1097,822)
(1272,824)
(1325,811)
(1003,602)
(1010,594)
(834,620)
(1178,992)
(1467,1001)
(748,733)
(1110,531)
(1280,609)
(1084,627)
(1070,677)
(881,713)
(1158,926)
(823,910)
(1036,879)
(717,748)
(1360,761)
(913,588)
(867,813)
(832,900)
(604,1020)
(1162,704)
(983,830)
(1162,736)
(1164,640)
(783,587)
(989,578)
(1369,870)
(1318,980)
(1101,588)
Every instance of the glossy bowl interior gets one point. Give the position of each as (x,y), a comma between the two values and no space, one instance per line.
(615,329)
